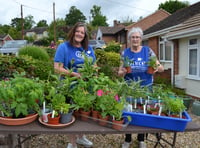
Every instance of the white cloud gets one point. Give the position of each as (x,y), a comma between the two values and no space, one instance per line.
(112,9)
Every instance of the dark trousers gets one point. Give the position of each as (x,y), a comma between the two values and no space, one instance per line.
(140,137)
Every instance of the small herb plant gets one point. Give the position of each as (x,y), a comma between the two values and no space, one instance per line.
(152,62)
(126,61)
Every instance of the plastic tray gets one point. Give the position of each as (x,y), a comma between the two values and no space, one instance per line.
(162,122)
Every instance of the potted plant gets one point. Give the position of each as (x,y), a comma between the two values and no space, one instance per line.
(54,117)
(127,64)
(152,65)
(22,95)
(66,113)
(174,106)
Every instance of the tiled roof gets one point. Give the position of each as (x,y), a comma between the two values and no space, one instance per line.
(37,30)
(176,18)
(189,25)
(2,36)
(110,30)
(147,22)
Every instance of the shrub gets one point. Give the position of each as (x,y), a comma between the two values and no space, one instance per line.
(109,58)
(108,62)
(9,65)
(113,47)
(35,52)
(51,52)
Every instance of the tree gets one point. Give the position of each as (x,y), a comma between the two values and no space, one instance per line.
(4,29)
(16,23)
(127,21)
(60,32)
(28,23)
(172,6)
(97,18)
(42,23)
(74,16)
(14,33)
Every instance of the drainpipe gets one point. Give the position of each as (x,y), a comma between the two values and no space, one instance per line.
(172,70)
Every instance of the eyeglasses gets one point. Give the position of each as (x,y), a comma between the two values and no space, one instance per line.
(135,37)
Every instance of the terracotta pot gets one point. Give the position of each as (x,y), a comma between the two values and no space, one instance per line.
(118,125)
(128,69)
(103,121)
(76,113)
(95,115)
(84,115)
(54,120)
(150,70)
(18,121)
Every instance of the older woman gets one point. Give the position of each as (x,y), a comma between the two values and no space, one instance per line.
(68,57)
(138,58)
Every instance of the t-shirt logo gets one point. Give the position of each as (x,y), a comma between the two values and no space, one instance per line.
(79,54)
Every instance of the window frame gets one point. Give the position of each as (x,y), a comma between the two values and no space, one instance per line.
(163,43)
(197,48)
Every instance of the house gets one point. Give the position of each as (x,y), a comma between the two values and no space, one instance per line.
(147,22)
(176,40)
(4,38)
(37,32)
(119,31)
(116,33)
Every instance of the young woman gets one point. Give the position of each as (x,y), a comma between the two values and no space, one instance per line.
(67,58)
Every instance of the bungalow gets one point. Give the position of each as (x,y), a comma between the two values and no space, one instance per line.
(176,40)
(4,38)
(37,33)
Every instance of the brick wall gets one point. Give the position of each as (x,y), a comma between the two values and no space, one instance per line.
(176,57)
(153,43)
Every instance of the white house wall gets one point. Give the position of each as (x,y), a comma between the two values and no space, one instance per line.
(191,86)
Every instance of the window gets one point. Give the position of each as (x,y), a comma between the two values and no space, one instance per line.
(165,50)
(194,59)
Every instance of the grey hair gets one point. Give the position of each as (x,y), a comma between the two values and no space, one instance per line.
(135,30)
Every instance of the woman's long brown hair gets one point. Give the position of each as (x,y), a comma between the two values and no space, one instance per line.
(71,34)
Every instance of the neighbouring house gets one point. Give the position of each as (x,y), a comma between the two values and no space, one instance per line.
(176,40)
(147,22)
(119,31)
(37,32)
(4,38)
(115,33)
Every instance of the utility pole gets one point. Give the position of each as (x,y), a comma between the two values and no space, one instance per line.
(54,20)
(22,22)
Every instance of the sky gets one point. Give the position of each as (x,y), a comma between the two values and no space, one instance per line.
(119,10)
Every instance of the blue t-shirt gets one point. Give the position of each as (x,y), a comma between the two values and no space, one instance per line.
(72,57)
(139,65)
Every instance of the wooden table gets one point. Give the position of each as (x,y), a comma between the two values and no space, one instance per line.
(36,128)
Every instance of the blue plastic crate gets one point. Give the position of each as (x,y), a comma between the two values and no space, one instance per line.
(162,122)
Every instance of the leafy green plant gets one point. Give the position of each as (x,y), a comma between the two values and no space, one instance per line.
(21,95)
(35,52)
(117,109)
(175,106)
(126,61)
(87,70)
(152,62)
(113,47)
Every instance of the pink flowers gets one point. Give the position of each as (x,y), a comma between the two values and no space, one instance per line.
(101,93)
